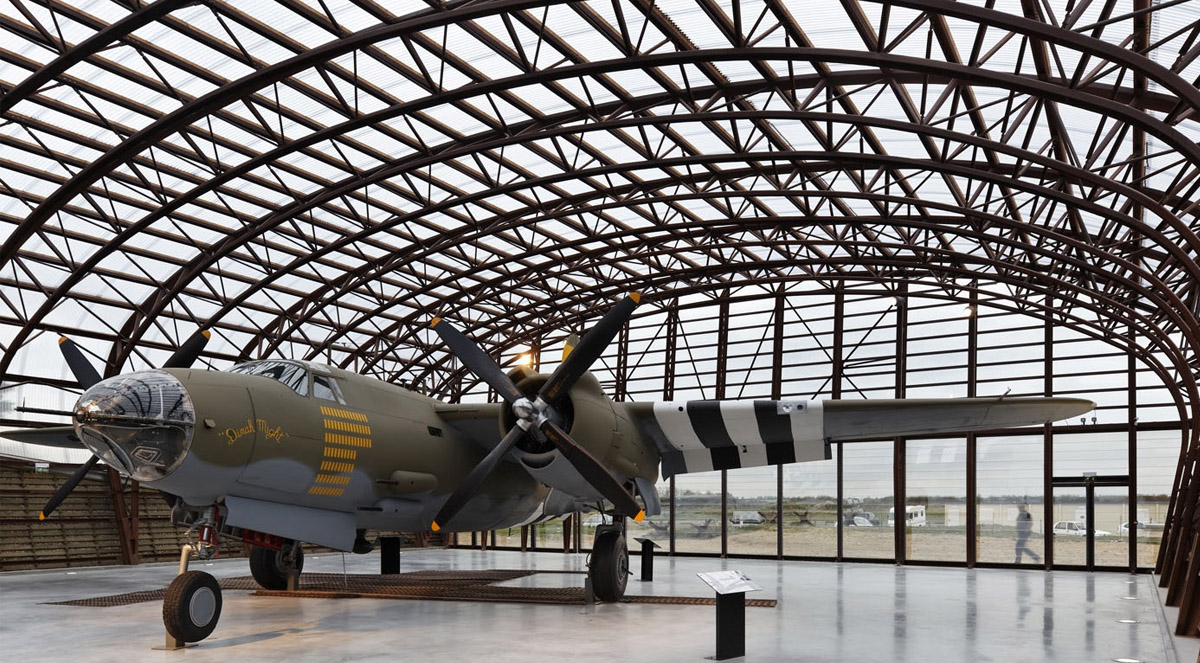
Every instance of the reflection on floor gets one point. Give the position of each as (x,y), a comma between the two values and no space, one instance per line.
(826,612)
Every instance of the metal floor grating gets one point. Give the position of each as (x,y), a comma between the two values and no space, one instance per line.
(422,585)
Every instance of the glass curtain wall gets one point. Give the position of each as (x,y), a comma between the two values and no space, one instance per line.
(867,498)
(887,345)
(1075,456)
(1158,456)
(935,512)
(1009,478)
(751,513)
(810,513)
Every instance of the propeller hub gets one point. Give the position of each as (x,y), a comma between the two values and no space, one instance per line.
(523,408)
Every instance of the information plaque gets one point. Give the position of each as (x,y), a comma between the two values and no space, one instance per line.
(729,582)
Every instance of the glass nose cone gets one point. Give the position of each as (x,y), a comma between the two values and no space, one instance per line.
(139,423)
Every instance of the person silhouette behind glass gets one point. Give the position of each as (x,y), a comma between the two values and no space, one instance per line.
(1024,528)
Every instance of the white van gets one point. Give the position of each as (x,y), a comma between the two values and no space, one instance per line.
(914,516)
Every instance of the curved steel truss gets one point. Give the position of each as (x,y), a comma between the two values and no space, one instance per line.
(319,178)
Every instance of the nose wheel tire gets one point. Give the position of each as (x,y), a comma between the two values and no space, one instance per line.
(192,606)
(609,569)
(271,568)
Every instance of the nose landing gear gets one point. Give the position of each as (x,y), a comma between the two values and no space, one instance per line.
(192,606)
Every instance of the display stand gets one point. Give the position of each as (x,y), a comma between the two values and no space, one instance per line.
(648,547)
(389,555)
(731,588)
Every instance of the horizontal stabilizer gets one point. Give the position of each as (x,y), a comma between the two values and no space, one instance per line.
(53,436)
(875,419)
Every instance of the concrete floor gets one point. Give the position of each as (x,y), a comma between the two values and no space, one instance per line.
(826,612)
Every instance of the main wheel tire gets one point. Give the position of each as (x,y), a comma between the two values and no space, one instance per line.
(192,606)
(271,568)
(610,566)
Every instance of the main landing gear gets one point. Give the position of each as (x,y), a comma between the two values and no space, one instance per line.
(608,568)
(272,569)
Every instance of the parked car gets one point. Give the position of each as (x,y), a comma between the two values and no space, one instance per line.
(595,520)
(1123,530)
(1143,529)
(1072,528)
(746,518)
(862,519)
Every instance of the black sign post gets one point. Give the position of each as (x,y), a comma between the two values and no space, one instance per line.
(389,555)
(648,547)
(731,588)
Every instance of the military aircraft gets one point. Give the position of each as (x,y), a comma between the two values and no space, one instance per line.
(274,452)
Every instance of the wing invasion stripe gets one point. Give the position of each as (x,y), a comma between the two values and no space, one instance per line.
(344,414)
(326,490)
(774,427)
(335,466)
(348,440)
(710,428)
(708,424)
(725,458)
(781,453)
(337,452)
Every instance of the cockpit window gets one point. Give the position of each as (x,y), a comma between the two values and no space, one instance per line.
(293,375)
(327,387)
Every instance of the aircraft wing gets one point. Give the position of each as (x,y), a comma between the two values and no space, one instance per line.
(477,421)
(53,436)
(701,436)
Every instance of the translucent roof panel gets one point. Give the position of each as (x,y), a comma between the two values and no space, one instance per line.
(318,179)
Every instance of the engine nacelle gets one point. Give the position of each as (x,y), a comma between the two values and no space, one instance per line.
(588,415)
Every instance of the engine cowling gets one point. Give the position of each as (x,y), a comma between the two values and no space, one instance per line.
(590,418)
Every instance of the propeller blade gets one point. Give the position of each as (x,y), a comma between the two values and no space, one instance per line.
(583,355)
(80,367)
(187,353)
(593,472)
(66,488)
(569,345)
(469,485)
(476,360)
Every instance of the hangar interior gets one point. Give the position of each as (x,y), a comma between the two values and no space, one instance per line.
(866,199)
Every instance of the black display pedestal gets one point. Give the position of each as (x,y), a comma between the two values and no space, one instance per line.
(731,587)
(731,625)
(389,555)
(648,547)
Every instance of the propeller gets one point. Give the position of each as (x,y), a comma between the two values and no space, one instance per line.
(86,375)
(538,414)
(66,488)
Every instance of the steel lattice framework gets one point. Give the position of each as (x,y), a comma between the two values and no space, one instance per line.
(319,178)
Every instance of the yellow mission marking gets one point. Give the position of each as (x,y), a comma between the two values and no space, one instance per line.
(348,440)
(344,414)
(337,452)
(326,490)
(334,466)
(334,424)
(331,479)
